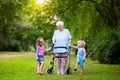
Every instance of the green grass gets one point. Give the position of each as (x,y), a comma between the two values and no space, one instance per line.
(24,68)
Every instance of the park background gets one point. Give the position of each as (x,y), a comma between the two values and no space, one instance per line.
(95,21)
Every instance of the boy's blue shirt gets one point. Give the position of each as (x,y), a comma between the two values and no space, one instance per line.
(81,53)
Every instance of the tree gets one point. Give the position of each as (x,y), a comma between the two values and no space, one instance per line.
(9,12)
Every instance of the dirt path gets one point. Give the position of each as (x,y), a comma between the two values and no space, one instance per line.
(16,55)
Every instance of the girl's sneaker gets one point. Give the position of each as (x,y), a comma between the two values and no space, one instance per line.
(41,73)
(38,73)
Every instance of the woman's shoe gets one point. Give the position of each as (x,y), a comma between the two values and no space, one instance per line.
(58,72)
(62,72)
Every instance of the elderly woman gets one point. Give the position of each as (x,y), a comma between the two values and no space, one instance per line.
(61,40)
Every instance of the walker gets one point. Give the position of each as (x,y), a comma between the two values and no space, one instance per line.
(51,70)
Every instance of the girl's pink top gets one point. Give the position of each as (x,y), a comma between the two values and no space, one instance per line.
(40,50)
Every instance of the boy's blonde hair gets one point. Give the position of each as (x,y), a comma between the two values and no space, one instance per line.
(83,42)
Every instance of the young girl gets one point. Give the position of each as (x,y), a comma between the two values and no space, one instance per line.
(39,55)
(81,54)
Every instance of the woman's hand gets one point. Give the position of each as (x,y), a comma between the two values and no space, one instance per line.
(69,43)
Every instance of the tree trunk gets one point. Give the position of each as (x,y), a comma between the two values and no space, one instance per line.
(113,22)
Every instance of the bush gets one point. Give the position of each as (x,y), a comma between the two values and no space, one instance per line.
(14,45)
(105,46)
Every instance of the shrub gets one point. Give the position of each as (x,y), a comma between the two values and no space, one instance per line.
(105,46)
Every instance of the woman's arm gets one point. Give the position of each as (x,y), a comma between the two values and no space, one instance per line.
(69,37)
(69,43)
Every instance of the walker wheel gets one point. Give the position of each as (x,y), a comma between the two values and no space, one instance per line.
(50,71)
(51,62)
(68,71)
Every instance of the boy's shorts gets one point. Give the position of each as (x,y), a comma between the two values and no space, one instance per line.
(40,58)
(80,61)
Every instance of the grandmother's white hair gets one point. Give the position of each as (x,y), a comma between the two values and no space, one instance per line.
(60,23)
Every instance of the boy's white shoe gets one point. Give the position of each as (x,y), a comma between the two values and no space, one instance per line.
(80,73)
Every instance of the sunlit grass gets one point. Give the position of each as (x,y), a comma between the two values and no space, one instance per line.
(24,68)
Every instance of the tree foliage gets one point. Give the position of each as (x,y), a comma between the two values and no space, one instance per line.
(95,21)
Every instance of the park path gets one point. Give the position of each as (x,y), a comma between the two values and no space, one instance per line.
(16,55)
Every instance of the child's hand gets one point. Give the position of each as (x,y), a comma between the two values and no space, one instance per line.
(84,60)
(36,58)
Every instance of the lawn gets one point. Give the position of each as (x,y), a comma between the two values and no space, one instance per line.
(24,68)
